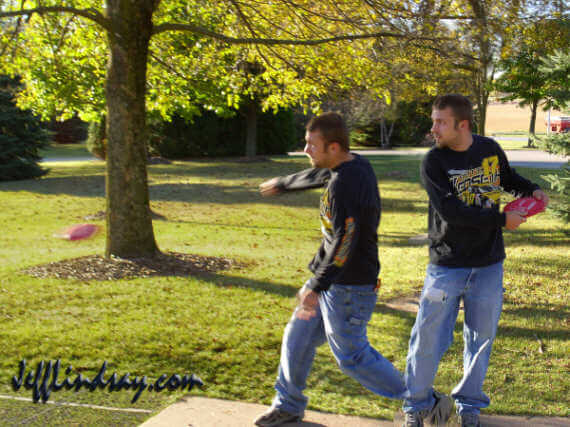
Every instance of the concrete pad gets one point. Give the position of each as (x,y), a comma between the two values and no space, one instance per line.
(203,412)
(195,411)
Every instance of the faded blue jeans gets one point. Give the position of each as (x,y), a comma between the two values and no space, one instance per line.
(341,319)
(481,289)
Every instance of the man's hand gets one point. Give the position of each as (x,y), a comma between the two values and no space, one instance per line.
(514,219)
(308,303)
(269,188)
(541,195)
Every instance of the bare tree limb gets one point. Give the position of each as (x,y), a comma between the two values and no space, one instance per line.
(272,42)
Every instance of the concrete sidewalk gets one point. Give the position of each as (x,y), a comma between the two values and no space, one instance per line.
(194,411)
(526,158)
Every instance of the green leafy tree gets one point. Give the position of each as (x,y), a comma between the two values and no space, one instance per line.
(525,77)
(556,69)
(523,81)
(161,55)
(21,136)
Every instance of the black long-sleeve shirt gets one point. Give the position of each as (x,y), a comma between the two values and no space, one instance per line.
(464,188)
(350,214)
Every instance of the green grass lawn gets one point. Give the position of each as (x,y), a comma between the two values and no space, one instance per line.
(65,151)
(227,327)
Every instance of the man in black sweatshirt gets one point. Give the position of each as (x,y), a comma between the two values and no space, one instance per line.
(337,302)
(463,175)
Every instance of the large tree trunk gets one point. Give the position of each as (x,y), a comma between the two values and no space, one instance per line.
(482,38)
(251,136)
(531,129)
(129,224)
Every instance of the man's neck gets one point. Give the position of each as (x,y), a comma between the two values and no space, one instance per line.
(462,143)
(343,157)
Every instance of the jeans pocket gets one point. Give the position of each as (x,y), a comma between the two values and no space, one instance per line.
(363,304)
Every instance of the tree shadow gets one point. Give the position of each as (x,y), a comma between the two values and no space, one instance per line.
(193,193)
(537,237)
(225,280)
(75,185)
(538,310)
(396,239)
(405,168)
(541,266)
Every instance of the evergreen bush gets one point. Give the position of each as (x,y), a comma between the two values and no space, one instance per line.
(559,144)
(21,136)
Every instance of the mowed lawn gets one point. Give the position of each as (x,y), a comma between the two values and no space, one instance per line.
(227,327)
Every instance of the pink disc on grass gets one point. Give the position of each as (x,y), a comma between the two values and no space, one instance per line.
(529,205)
(78,232)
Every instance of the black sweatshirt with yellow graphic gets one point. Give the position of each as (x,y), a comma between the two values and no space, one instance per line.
(350,214)
(464,189)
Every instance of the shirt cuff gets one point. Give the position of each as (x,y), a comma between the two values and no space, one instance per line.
(314,285)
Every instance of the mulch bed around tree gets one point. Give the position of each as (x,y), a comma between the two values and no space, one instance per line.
(97,267)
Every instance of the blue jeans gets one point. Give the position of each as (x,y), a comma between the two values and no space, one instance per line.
(482,292)
(341,319)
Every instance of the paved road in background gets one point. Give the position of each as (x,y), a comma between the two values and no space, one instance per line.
(526,158)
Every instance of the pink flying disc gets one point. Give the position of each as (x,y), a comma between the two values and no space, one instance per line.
(78,232)
(529,205)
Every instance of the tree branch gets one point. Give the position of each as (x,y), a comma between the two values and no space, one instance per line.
(91,14)
(272,42)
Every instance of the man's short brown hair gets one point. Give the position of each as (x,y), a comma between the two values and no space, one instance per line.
(460,106)
(332,127)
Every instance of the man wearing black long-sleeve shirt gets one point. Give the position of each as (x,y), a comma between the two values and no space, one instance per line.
(335,304)
(464,175)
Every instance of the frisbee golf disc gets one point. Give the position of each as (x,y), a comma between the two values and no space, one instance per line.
(529,205)
(78,232)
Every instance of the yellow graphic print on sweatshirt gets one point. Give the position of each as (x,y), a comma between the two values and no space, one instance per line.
(480,186)
(327,228)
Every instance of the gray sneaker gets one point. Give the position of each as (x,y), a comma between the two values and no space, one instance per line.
(413,419)
(470,419)
(276,417)
(441,410)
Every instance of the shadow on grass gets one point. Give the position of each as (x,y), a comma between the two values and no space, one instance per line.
(402,239)
(538,311)
(541,312)
(396,167)
(286,290)
(541,267)
(94,186)
(537,237)
(76,185)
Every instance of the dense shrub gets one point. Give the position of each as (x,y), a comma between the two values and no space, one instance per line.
(413,123)
(70,131)
(21,136)
(276,133)
(411,126)
(97,139)
(209,135)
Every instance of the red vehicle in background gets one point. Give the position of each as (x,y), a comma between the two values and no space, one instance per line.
(559,124)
